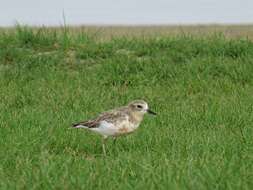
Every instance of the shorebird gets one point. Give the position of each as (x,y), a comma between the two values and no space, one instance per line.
(117,122)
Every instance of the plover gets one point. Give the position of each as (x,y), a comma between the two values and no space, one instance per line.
(117,122)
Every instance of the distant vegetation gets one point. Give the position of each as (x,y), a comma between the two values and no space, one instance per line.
(199,83)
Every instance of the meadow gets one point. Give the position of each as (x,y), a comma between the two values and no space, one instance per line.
(199,83)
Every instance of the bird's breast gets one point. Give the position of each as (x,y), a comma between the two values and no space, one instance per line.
(126,128)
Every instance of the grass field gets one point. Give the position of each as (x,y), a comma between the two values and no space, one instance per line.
(200,86)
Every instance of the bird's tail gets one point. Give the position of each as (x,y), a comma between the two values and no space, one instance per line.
(78,125)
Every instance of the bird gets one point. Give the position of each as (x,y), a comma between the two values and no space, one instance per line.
(117,122)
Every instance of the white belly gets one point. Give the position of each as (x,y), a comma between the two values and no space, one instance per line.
(109,129)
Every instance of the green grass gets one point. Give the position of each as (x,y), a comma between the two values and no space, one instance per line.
(201,88)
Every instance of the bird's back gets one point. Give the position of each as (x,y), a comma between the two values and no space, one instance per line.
(112,116)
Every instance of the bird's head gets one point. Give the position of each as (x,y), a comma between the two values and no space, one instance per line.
(140,107)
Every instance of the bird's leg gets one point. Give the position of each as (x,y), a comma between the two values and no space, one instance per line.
(114,140)
(103,145)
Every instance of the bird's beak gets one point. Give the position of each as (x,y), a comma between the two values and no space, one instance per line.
(151,112)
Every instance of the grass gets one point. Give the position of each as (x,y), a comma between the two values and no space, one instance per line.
(201,87)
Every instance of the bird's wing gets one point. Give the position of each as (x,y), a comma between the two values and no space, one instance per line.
(109,116)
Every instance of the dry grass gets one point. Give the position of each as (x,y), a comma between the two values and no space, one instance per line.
(230,31)
(109,32)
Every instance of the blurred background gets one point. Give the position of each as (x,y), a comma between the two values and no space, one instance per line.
(125,12)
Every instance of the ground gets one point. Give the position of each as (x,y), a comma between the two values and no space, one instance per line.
(201,86)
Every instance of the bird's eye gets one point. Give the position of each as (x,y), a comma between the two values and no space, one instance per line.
(139,106)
